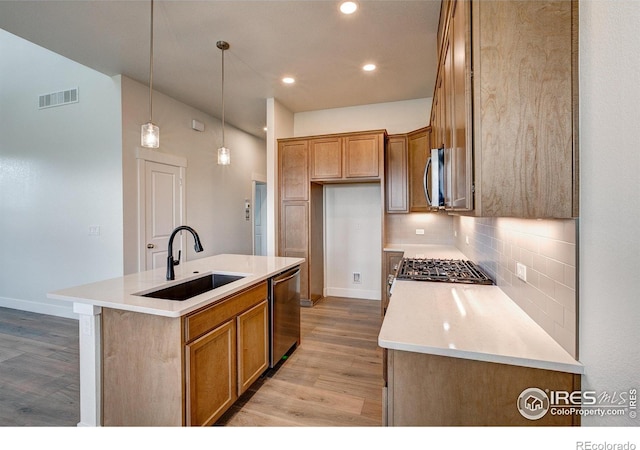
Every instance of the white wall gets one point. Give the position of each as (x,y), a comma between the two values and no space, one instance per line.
(215,194)
(279,125)
(395,117)
(352,229)
(60,172)
(610,199)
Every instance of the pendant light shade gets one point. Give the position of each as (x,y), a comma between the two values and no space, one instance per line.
(150,133)
(224,154)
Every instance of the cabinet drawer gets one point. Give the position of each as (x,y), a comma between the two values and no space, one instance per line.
(200,322)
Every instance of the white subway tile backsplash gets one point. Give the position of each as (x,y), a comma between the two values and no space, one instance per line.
(548,249)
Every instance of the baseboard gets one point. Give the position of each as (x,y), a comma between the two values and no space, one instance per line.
(352,293)
(51,309)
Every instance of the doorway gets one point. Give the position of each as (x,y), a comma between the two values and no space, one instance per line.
(259,218)
(161,187)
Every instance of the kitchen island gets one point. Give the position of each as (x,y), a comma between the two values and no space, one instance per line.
(143,360)
(461,354)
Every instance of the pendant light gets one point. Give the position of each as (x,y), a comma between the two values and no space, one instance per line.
(150,133)
(224,154)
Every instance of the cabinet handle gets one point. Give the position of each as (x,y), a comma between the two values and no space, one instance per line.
(424,181)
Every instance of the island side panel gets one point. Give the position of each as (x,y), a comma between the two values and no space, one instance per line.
(142,369)
(432,390)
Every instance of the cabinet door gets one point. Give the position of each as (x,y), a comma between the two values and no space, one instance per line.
(211,374)
(253,345)
(326,158)
(396,174)
(294,238)
(293,173)
(362,156)
(419,152)
(460,91)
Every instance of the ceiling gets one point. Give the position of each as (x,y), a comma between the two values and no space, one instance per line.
(311,41)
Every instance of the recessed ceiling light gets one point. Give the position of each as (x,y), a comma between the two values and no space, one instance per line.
(369,67)
(288,80)
(348,7)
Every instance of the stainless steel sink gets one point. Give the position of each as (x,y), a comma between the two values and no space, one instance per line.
(191,288)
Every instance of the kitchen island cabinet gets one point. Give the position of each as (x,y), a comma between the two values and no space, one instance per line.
(142,350)
(153,362)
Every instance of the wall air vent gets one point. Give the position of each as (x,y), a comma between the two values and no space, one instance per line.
(58,98)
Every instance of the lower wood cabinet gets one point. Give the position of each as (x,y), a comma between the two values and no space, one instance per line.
(161,371)
(253,345)
(210,370)
(432,390)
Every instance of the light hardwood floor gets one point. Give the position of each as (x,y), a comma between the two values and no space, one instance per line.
(334,378)
(39,372)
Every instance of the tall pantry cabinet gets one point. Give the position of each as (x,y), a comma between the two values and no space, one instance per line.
(305,164)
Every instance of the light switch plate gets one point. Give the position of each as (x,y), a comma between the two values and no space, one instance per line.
(521,271)
(419,230)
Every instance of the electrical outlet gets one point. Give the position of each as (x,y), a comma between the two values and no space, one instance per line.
(357,278)
(94,230)
(521,271)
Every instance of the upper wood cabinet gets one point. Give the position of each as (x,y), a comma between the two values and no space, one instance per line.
(293,170)
(363,155)
(326,158)
(396,171)
(347,156)
(419,142)
(512,124)
(405,164)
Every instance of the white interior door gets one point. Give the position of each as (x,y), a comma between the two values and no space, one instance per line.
(163,211)
(260,218)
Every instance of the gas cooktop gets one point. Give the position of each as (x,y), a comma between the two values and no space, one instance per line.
(444,270)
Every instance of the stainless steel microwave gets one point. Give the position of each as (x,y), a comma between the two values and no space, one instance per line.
(434,179)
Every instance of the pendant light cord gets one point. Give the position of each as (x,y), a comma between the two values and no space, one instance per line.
(223,49)
(151,69)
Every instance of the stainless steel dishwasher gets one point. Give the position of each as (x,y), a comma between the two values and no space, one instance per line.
(284,309)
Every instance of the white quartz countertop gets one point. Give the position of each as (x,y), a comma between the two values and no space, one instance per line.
(120,293)
(466,321)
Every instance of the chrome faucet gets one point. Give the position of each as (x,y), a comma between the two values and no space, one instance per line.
(170,262)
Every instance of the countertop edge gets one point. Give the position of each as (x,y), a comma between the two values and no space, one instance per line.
(195,303)
(577,369)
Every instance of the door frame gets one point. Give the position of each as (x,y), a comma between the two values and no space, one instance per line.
(144,155)
(256,178)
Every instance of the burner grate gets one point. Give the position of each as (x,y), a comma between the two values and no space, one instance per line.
(444,270)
